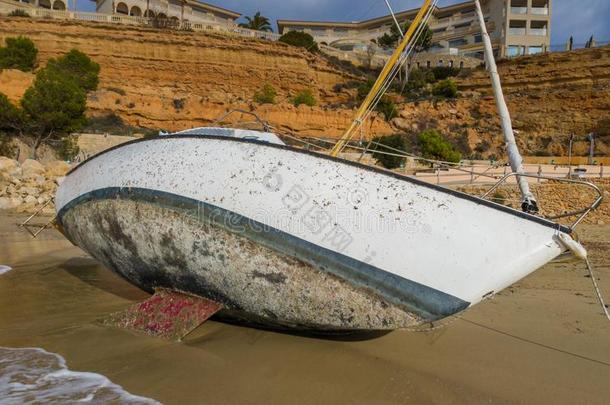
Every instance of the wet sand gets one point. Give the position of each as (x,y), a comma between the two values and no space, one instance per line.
(541,341)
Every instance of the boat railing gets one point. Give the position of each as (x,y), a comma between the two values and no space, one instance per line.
(579,213)
(264,124)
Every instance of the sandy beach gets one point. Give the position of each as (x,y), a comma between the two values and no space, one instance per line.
(541,341)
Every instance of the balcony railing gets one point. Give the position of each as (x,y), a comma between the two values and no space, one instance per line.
(538,32)
(516,31)
(518,10)
(540,11)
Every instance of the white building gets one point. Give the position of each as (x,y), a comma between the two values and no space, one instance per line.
(177,10)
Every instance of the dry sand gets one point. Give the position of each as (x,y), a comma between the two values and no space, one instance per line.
(541,341)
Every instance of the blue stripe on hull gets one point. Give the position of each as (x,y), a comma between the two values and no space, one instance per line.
(424,301)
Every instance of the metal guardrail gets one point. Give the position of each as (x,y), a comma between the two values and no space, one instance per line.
(580,213)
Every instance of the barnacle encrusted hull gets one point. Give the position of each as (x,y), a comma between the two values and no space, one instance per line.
(289,238)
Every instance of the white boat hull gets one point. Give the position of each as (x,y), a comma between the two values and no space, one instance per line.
(289,238)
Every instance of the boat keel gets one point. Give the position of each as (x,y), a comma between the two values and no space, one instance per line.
(166,314)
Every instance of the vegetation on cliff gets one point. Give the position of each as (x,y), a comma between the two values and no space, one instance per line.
(19,53)
(433,145)
(300,39)
(54,106)
(304,97)
(266,95)
(389,144)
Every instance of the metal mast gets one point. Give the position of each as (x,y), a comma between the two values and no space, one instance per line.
(516,161)
(379,84)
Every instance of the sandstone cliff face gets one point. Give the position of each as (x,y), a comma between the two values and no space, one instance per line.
(549,97)
(175,80)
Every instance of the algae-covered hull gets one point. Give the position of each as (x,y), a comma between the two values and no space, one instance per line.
(291,239)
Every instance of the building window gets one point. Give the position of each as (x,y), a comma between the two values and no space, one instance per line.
(463,25)
(538,28)
(428,64)
(518,6)
(517,27)
(450,63)
(454,43)
(462,65)
(515,50)
(478,39)
(534,50)
(440,63)
(540,7)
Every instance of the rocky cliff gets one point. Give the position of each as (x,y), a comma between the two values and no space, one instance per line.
(549,97)
(175,80)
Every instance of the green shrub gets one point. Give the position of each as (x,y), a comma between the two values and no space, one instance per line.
(18,13)
(79,67)
(446,88)
(304,97)
(266,95)
(10,115)
(365,88)
(19,53)
(69,149)
(54,106)
(7,147)
(300,39)
(417,83)
(433,146)
(387,107)
(388,161)
(444,72)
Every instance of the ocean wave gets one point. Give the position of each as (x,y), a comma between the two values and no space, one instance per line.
(33,375)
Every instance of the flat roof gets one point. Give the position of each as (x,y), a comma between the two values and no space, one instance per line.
(373,21)
(215,9)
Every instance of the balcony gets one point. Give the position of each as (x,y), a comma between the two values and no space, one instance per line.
(518,10)
(542,32)
(540,11)
(517,31)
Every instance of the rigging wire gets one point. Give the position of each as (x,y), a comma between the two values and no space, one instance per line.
(600,298)
(386,83)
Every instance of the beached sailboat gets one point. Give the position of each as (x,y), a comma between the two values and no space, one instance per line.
(285,237)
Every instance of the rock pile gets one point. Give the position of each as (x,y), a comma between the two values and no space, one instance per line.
(27,186)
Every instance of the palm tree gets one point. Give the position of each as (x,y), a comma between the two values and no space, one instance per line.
(257,22)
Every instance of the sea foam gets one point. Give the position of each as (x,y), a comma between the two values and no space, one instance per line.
(33,375)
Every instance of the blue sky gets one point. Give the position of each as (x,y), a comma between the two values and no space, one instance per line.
(581,18)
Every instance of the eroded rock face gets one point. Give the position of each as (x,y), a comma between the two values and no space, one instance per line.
(177,80)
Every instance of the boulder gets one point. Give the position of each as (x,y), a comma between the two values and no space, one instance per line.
(29,191)
(30,199)
(8,203)
(9,168)
(57,168)
(32,168)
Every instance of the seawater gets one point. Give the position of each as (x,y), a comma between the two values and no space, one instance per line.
(33,375)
